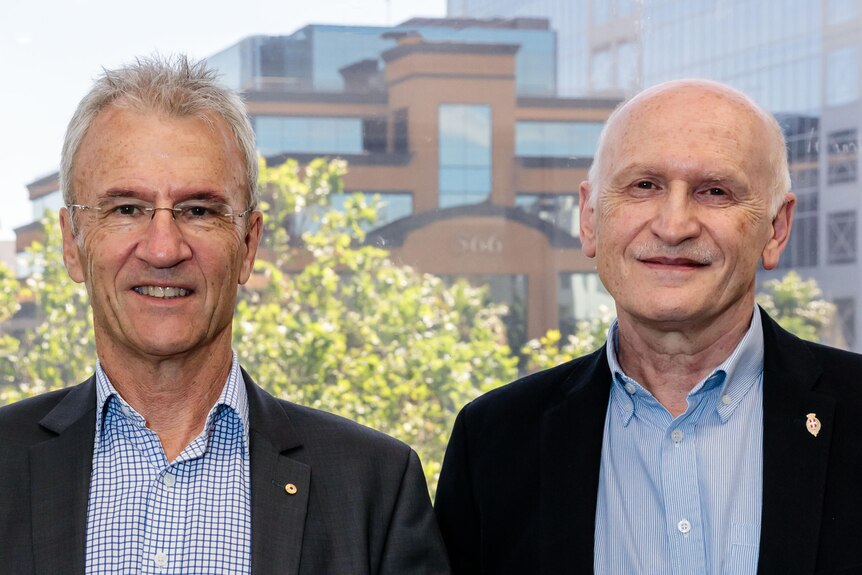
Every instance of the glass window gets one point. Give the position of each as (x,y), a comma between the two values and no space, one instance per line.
(842,237)
(627,66)
(399,131)
(842,76)
(845,312)
(843,156)
(581,297)
(559,209)
(393,206)
(625,8)
(509,290)
(601,11)
(601,70)
(49,202)
(464,154)
(308,135)
(840,11)
(556,139)
(802,249)
(802,135)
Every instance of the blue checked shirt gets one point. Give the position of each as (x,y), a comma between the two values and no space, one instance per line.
(683,495)
(149,515)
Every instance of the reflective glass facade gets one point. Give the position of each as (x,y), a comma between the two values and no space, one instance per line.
(465,154)
(557,139)
(568,19)
(559,209)
(279,135)
(770,50)
(311,59)
(50,202)
(392,206)
(581,297)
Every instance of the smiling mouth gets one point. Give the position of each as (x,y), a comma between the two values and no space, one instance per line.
(162,292)
(676,262)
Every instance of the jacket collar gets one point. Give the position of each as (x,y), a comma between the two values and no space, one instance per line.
(60,471)
(794,463)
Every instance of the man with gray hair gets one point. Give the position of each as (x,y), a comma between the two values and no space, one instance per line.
(702,437)
(170,459)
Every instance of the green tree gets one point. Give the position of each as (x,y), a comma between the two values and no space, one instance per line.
(9,345)
(60,350)
(797,306)
(551,349)
(357,334)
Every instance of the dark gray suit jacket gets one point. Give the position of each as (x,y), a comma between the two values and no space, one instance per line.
(361,505)
(517,492)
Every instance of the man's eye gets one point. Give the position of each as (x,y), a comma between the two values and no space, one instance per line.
(200,212)
(645,185)
(127,210)
(716,192)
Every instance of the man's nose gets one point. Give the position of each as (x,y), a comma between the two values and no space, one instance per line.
(677,217)
(162,244)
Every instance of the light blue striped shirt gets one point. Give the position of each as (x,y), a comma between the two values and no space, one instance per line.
(188,516)
(683,495)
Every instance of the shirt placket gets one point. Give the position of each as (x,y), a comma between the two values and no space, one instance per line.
(681,492)
(165,516)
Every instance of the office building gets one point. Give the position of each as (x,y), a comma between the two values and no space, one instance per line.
(798,58)
(456,126)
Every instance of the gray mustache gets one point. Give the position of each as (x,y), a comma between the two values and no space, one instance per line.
(690,251)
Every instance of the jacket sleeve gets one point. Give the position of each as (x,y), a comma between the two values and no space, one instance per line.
(455,505)
(413,543)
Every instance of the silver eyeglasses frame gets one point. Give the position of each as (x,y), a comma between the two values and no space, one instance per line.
(151,210)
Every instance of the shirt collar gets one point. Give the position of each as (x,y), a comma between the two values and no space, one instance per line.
(233,396)
(736,375)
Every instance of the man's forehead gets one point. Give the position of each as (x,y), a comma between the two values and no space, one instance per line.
(698,103)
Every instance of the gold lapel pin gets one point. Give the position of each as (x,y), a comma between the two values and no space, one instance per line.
(290,488)
(812,424)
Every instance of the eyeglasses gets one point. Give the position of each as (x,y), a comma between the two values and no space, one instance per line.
(132,215)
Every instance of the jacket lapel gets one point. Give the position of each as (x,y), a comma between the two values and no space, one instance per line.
(60,483)
(279,486)
(571,449)
(794,461)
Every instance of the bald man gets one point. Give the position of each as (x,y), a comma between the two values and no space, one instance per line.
(702,437)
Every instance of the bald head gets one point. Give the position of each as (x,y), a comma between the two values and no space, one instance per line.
(698,102)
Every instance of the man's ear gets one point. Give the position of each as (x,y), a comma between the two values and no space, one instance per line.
(781,224)
(587,220)
(252,240)
(71,253)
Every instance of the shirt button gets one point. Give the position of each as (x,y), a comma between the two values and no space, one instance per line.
(725,399)
(160,559)
(630,388)
(170,480)
(684,526)
(127,411)
(677,435)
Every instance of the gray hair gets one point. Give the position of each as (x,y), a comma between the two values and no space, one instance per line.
(780,183)
(173,86)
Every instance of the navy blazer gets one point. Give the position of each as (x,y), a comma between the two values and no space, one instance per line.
(518,488)
(361,504)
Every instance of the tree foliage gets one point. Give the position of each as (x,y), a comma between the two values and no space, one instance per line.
(551,349)
(352,333)
(60,350)
(797,306)
(9,345)
(358,335)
